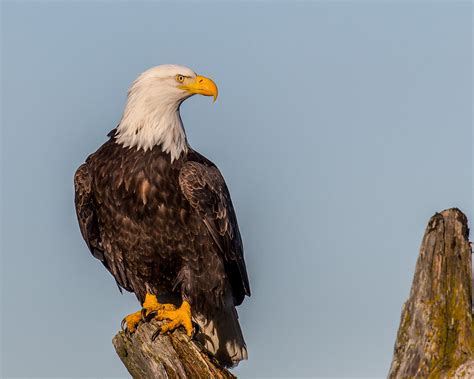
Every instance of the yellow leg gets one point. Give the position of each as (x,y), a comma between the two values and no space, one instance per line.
(177,317)
(151,304)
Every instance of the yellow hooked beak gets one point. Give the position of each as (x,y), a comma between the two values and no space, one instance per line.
(200,85)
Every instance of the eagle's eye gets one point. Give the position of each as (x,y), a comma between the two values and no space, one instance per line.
(179,78)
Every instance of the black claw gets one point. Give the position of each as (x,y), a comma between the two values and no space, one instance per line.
(148,317)
(151,315)
(122,325)
(156,334)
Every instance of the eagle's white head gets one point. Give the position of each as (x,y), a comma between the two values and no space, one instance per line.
(151,116)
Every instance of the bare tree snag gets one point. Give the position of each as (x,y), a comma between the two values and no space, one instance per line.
(172,355)
(435,338)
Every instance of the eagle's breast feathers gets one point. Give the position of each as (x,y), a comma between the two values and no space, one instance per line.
(144,216)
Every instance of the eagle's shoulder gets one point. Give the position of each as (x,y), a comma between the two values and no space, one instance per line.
(195,157)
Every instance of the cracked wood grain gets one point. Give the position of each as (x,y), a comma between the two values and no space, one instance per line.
(435,337)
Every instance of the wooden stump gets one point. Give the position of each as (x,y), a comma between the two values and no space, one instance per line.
(172,355)
(435,338)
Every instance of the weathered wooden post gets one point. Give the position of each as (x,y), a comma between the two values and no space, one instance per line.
(173,355)
(435,338)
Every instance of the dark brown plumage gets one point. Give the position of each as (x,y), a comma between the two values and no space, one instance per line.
(165,228)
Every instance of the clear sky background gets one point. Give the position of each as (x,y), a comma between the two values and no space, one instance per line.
(341,127)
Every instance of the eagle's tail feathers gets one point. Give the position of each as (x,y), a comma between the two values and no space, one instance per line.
(222,336)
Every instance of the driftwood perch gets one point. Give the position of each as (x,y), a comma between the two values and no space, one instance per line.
(173,355)
(435,338)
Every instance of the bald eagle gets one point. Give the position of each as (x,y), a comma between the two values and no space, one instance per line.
(159,217)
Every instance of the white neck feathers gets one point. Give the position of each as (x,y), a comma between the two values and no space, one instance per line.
(151,118)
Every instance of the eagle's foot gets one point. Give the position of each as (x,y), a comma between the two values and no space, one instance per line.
(178,317)
(130,322)
(150,307)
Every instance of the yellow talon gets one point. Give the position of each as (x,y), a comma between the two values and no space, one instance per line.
(150,305)
(177,317)
(131,321)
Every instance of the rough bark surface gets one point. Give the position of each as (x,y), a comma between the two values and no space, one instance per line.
(466,370)
(172,355)
(435,338)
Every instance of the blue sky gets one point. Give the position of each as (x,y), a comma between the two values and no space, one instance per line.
(340,128)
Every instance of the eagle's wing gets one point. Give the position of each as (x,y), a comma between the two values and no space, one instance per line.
(86,212)
(205,189)
(89,225)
